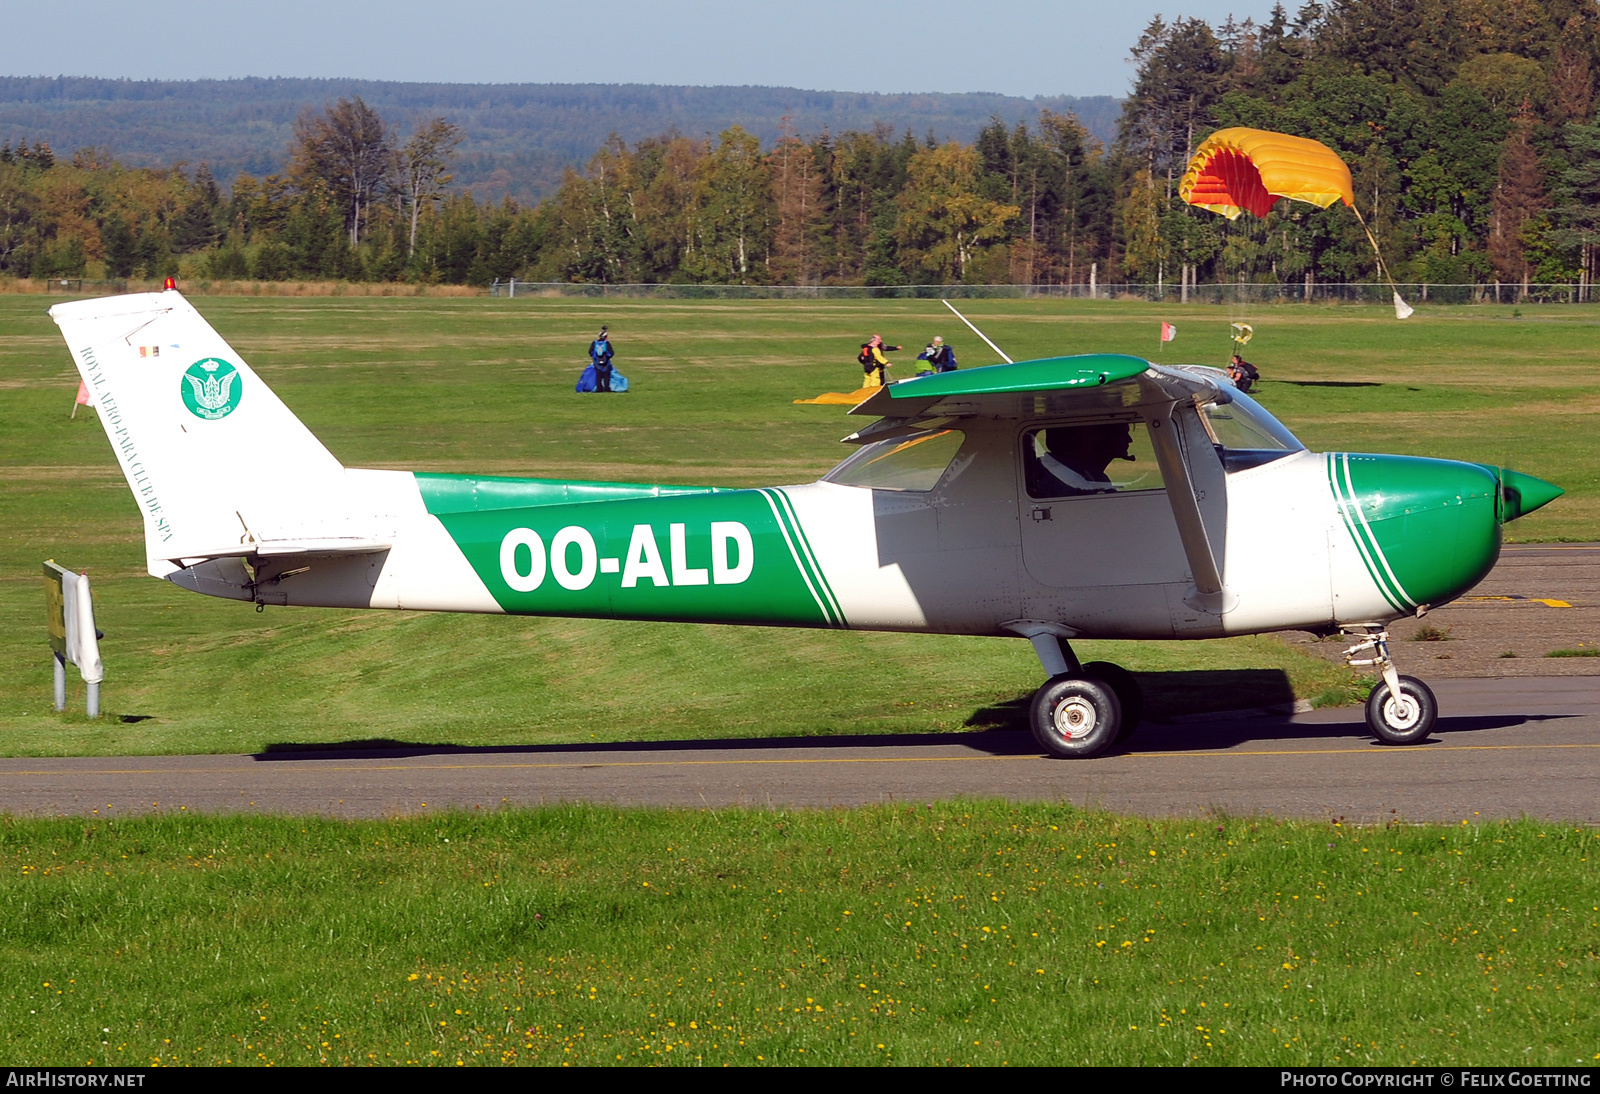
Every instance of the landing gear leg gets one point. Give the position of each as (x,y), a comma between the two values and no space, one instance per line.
(1082,710)
(1401,710)
(1055,654)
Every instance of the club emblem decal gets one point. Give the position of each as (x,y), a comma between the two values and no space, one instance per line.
(211,389)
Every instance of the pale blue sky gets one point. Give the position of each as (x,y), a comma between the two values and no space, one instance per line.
(1017,47)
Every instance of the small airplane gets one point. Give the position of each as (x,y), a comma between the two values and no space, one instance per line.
(1090,496)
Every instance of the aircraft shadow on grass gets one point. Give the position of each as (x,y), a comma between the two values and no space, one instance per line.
(1000,730)
(1329,383)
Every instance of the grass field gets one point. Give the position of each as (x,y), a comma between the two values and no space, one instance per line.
(958,933)
(486,385)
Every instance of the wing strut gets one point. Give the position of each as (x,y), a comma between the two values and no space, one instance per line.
(1210,595)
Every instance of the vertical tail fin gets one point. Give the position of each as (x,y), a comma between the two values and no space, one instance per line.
(212,456)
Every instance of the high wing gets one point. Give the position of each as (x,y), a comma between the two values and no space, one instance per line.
(1086,386)
(1055,386)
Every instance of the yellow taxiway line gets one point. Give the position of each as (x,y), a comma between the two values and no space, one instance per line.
(1032,757)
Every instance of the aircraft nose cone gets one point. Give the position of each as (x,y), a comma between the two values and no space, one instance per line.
(1524,493)
(1426,530)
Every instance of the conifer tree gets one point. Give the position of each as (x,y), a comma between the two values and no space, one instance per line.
(118,247)
(1577,219)
(797,186)
(1518,198)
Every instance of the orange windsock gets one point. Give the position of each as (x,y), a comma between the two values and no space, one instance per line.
(1247,170)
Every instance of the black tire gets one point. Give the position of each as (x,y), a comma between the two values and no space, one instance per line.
(1393,726)
(1075,717)
(1129,694)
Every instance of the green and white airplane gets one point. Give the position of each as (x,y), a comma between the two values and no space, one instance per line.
(1093,496)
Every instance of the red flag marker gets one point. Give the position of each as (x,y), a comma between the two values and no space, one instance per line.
(83,399)
(1168,332)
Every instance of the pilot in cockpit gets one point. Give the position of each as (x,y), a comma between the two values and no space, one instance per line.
(1074,459)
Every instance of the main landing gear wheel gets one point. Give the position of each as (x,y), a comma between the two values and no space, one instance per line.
(1402,720)
(1128,693)
(1075,716)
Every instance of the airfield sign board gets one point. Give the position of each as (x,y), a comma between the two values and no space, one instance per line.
(73,636)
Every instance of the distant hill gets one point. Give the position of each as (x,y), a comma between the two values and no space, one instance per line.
(519,137)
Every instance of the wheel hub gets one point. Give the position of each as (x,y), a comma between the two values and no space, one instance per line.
(1074,717)
(1402,711)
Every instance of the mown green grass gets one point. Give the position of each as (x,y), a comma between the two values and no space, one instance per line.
(486,385)
(966,932)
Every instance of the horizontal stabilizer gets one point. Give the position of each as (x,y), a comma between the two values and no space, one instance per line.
(271,548)
(291,548)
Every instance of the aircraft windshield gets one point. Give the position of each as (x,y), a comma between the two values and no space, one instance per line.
(1245,434)
(910,463)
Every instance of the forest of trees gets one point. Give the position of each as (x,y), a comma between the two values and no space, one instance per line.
(1469,127)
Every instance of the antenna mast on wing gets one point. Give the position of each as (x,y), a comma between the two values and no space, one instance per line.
(978,332)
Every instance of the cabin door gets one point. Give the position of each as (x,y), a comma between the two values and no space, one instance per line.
(1093,507)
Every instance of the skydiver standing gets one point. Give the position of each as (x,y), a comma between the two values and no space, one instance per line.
(600,354)
(873,361)
(939,355)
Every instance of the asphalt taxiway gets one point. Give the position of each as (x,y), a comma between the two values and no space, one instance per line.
(1504,748)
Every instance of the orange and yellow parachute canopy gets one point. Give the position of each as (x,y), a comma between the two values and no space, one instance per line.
(1248,170)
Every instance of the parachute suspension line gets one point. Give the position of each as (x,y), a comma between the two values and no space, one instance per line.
(1402,310)
(978,332)
(1382,268)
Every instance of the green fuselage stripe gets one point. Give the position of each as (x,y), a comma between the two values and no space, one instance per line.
(1366,546)
(1345,502)
(1355,523)
(802,563)
(810,555)
(1377,548)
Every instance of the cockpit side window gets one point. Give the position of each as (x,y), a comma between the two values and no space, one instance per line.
(1065,461)
(1245,434)
(914,463)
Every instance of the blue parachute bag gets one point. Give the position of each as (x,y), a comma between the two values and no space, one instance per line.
(589,381)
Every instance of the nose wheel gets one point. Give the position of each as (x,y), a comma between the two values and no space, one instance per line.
(1401,710)
(1402,717)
